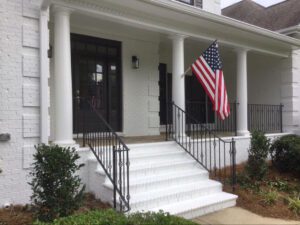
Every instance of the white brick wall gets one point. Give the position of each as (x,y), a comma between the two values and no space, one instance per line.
(290,92)
(19,95)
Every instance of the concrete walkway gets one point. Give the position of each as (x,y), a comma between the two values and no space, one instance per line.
(236,215)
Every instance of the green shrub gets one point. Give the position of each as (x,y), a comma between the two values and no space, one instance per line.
(294,204)
(160,218)
(270,197)
(256,166)
(57,191)
(280,185)
(110,217)
(285,153)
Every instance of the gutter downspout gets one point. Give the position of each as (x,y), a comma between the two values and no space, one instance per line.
(44,72)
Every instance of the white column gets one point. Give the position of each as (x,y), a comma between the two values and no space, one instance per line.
(178,91)
(242,93)
(62,78)
(178,87)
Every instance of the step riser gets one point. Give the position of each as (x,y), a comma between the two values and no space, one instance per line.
(153,158)
(165,183)
(192,214)
(159,170)
(135,161)
(173,198)
(143,187)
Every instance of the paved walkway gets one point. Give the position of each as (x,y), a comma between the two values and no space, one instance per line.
(236,215)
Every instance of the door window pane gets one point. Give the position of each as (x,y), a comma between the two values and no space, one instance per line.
(99,68)
(112,52)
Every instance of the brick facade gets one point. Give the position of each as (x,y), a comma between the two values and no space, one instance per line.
(19,96)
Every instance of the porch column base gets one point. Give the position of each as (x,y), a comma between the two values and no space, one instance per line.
(65,143)
(243,133)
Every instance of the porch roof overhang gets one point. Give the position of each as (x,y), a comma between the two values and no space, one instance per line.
(172,17)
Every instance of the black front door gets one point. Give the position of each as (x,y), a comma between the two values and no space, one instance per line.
(96,77)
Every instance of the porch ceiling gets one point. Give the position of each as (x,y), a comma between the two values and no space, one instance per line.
(169,17)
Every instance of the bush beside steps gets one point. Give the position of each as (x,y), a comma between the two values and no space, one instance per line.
(111,217)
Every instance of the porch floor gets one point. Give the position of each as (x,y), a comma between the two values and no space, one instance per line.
(135,139)
(153,138)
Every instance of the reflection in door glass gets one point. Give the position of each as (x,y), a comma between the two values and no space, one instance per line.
(99,68)
(99,77)
(113,68)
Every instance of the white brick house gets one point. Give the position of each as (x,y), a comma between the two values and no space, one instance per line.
(37,91)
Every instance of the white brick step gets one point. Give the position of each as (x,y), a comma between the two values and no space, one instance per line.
(155,155)
(165,167)
(176,193)
(152,148)
(147,183)
(168,179)
(156,169)
(199,206)
(159,159)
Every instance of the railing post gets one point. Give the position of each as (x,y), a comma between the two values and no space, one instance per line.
(84,124)
(233,155)
(281,119)
(167,119)
(115,176)
(235,118)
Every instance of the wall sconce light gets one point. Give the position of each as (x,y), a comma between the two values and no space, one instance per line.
(135,62)
(50,52)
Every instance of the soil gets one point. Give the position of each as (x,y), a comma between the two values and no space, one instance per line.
(24,215)
(252,200)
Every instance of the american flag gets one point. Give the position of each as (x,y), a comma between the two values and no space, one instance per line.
(208,70)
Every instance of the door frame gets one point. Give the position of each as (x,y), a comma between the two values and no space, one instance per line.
(107,43)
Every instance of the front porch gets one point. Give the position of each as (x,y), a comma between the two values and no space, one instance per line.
(135,105)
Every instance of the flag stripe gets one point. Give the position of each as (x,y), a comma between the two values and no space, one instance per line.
(204,83)
(208,67)
(205,75)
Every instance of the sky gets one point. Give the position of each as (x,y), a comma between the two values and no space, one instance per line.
(225,3)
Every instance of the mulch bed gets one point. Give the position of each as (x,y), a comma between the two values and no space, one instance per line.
(251,200)
(24,215)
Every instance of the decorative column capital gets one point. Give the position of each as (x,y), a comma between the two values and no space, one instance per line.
(177,37)
(61,10)
(241,50)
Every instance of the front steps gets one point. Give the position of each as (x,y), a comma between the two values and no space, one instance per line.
(164,177)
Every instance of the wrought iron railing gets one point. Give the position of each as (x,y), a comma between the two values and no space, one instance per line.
(203,112)
(109,149)
(216,155)
(261,117)
(266,118)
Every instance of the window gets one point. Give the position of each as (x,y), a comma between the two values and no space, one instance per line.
(190,2)
(197,3)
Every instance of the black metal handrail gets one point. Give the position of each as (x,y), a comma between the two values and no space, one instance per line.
(215,154)
(109,149)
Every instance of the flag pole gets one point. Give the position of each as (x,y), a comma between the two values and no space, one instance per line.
(185,72)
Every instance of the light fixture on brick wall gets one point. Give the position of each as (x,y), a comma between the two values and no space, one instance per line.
(50,52)
(4,137)
(135,62)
